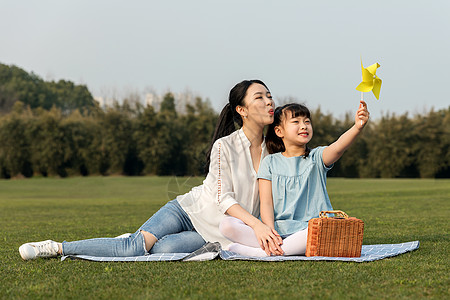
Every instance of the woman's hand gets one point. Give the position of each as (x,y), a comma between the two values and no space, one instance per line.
(362,115)
(268,239)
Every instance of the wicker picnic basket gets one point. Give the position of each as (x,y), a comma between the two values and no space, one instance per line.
(338,236)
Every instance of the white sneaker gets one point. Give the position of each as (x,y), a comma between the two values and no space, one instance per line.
(122,236)
(34,250)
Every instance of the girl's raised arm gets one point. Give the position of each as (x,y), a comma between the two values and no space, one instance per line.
(333,152)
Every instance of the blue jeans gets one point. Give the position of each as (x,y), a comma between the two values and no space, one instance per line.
(170,225)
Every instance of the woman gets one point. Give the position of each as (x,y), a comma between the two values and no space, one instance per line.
(230,188)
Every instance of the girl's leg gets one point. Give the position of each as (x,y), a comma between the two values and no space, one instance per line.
(295,244)
(237,231)
(247,250)
(170,219)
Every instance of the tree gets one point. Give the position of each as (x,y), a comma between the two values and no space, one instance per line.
(390,146)
(432,147)
(324,129)
(70,97)
(199,123)
(146,142)
(445,145)
(50,151)
(18,85)
(117,127)
(169,135)
(15,142)
(83,137)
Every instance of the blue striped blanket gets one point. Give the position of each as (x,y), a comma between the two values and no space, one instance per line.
(213,250)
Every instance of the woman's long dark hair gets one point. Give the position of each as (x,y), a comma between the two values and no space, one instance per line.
(229,117)
(273,142)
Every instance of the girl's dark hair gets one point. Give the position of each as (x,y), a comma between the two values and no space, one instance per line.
(229,117)
(273,142)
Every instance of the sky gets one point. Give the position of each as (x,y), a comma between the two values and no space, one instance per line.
(308,51)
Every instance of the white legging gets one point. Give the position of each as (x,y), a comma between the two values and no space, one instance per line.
(245,241)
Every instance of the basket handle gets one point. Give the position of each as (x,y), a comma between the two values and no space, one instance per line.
(323,214)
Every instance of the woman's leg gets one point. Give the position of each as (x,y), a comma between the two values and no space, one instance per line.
(110,247)
(237,231)
(183,242)
(170,219)
(295,244)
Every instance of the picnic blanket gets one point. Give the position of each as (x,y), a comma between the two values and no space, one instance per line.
(211,251)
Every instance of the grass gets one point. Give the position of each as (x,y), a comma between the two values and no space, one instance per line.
(69,209)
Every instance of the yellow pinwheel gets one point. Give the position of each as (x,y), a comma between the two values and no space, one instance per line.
(370,80)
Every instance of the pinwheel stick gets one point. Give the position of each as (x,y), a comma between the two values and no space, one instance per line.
(362,99)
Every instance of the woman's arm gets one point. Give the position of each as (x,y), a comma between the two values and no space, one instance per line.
(333,152)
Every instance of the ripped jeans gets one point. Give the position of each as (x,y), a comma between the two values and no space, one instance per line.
(170,225)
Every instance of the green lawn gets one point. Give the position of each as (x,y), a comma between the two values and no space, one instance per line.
(75,208)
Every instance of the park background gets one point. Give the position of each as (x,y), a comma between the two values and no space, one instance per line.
(109,88)
(57,129)
(105,88)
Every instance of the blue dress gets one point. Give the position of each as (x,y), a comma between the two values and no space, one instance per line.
(298,188)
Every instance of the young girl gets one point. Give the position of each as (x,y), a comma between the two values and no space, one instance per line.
(292,180)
